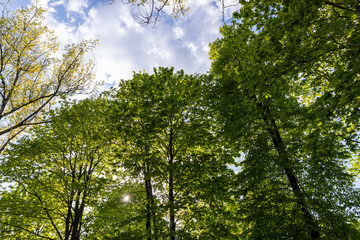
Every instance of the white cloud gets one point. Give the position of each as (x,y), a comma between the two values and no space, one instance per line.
(191,46)
(42,3)
(76,5)
(126,46)
(57,3)
(179,33)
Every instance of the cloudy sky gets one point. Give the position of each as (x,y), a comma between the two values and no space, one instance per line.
(127,46)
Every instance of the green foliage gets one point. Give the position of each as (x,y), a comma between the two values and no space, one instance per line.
(282,100)
(278,71)
(124,219)
(168,145)
(57,172)
(30,76)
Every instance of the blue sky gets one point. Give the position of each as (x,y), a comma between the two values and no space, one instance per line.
(125,45)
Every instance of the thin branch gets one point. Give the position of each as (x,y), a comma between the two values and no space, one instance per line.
(337,5)
(26,104)
(29,231)
(9,140)
(24,122)
(48,215)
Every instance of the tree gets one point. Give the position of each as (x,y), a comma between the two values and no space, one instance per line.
(30,76)
(316,43)
(55,174)
(167,142)
(277,72)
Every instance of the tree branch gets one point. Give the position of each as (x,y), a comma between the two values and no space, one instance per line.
(29,231)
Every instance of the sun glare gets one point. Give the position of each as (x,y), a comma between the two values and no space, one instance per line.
(126,198)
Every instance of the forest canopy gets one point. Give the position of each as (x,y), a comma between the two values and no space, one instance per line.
(263,146)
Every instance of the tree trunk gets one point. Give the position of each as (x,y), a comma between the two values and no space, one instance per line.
(67,221)
(78,213)
(293,181)
(171,188)
(148,200)
(172,207)
(154,218)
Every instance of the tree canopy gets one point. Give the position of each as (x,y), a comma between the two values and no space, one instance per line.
(55,174)
(30,76)
(264,146)
(281,70)
(166,139)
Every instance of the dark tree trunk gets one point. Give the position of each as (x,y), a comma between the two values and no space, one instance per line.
(171,188)
(78,214)
(172,208)
(286,165)
(67,221)
(154,218)
(148,201)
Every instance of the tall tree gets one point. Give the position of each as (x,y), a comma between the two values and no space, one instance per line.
(55,173)
(167,139)
(278,97)
(30,76)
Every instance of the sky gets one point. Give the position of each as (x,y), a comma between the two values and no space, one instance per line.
(127,46)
